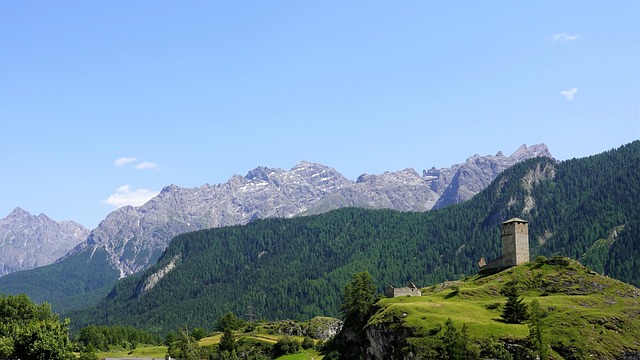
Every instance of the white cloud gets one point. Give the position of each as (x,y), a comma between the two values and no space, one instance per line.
(568,94)
(147,165)
(564,37)
(124,161)
(124,196)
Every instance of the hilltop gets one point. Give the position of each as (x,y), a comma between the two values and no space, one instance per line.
(588,315)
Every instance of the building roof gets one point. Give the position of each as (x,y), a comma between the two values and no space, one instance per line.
(515,220)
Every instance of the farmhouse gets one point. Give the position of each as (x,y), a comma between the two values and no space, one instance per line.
(411,290)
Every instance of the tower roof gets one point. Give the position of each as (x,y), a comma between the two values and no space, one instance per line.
(515,220)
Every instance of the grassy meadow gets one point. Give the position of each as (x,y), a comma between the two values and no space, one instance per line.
(589,314)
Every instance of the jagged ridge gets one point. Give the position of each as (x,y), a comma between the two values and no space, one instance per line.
(28,241)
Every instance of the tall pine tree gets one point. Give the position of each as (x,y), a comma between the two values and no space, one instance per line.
(514,311)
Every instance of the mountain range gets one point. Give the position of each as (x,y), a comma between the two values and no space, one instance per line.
(29,241)
(132,238)
(278,268)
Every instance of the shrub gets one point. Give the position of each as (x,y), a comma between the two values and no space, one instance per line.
(286,345)
(307,343)
(198,333)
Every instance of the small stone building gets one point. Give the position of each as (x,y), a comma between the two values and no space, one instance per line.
(411,290)
(515,245)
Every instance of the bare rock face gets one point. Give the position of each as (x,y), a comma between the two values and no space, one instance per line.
(134,237)
(28,241)
(460,182)
(403,190)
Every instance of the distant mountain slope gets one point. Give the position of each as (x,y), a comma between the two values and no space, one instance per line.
(135,237)
(460,183)
(296,268)
(28,241)
(131,239)
(405,190)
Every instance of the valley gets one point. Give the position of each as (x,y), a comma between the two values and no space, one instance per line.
(296,268)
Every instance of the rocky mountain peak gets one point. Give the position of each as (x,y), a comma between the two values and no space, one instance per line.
(18,212)
(28,241)
(406,176)
(169,189)
(460,182)
(260,173)
(525,152)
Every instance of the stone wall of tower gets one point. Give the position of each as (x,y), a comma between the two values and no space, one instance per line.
(515,242)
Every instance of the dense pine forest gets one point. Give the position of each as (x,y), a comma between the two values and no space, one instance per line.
(297,268)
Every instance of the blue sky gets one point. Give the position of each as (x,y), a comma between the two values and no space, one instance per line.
(193,92)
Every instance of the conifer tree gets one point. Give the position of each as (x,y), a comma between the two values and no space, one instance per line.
(514,311)
(228,341)
(358,298)
(536,328)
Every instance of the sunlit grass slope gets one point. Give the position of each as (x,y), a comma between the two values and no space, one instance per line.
(588,314)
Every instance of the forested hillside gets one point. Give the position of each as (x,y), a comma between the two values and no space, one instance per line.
(296,268)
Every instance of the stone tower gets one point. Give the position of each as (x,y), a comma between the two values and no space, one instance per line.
(515,242)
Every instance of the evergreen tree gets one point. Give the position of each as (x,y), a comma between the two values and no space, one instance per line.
(198,333)
(455,343)
(452,342)
(229,321)
(358,298)
(185,347)
(536,329)
(514,311)
(228,341)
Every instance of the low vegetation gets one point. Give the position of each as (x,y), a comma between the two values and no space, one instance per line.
(31,331)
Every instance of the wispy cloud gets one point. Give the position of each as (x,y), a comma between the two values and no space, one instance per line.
(569,94)
(124,161)
(124,196)
(145,165)
(564,37)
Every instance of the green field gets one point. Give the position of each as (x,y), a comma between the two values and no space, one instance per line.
(588,314)
(159,352)
(302,355)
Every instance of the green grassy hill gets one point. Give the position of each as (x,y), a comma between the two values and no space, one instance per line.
(588,315)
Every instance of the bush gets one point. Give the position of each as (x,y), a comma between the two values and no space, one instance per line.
(88,355)
(286,345)
(307,343)
(198,333)
(229,320)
